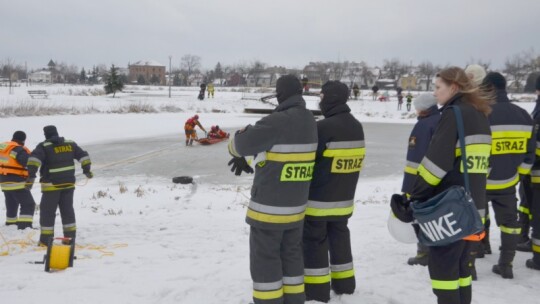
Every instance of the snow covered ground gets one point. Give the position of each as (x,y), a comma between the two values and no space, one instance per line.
(142,239)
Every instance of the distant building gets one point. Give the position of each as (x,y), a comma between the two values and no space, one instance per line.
(262,80)
(41,76)
(386,84)
(235,79)
(195,79)
(408,82)
(151,71)
(422,84)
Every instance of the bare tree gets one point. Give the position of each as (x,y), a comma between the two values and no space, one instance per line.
(337,69)
(7,71)
(532,61)
(516,66)
(190,64)
(394,68)
(323,69)
(352,72)
(428,70)
(365,73)
(256,70)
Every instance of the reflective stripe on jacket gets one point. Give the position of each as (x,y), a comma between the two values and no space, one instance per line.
(55,158)
(284,144)
(417,147)
(442,167)
(513,145)
(340,156)
(9,159)
(535,173)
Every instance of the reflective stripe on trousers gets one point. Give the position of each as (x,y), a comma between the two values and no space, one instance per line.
(317,276)
(342,208)
(268,291)
(276,215)
(343,271)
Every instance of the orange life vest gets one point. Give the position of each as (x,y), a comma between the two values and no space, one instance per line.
(190,124)
(8,163)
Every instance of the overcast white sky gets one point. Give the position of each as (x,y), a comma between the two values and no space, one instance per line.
(278,32)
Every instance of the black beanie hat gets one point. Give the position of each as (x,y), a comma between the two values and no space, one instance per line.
(538,83)
(496,80)
(50,131)
(335,93)
(19,136)
(287,86)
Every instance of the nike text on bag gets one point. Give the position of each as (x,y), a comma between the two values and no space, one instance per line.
(451,215)
(447,217)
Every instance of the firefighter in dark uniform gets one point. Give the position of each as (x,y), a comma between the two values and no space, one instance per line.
(340,154)
(534,263)
(428,119)
(13,174)
(441,168)
(284,144)
(54,158)
(512,155)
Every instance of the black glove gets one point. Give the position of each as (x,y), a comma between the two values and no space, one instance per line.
(239,164)
(88,174)
(400,205)
(29,183)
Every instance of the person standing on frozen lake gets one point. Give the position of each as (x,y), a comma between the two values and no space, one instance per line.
(55,156)
(284,145)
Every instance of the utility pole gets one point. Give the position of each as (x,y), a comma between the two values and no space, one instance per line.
(170,71)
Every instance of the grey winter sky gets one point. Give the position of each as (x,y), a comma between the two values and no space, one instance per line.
(278,32)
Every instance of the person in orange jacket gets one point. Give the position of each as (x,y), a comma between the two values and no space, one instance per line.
(189,127)
(13,174)
(216,132)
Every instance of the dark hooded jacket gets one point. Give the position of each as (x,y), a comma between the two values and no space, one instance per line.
(418,145)
(284,144)
(339,159)
(442,168)
(55,159)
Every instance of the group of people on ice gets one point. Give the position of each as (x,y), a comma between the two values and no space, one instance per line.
(206,88)
(306,174)
(191,134)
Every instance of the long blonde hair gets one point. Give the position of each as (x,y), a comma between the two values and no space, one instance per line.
(479,99)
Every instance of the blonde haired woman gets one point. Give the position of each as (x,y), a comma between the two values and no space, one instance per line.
(441,168)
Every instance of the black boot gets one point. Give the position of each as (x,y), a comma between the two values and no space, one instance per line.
(504,267)
(422,256)
(525,247)
(532,265)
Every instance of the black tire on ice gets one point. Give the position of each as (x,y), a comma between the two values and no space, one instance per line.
(182,180)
